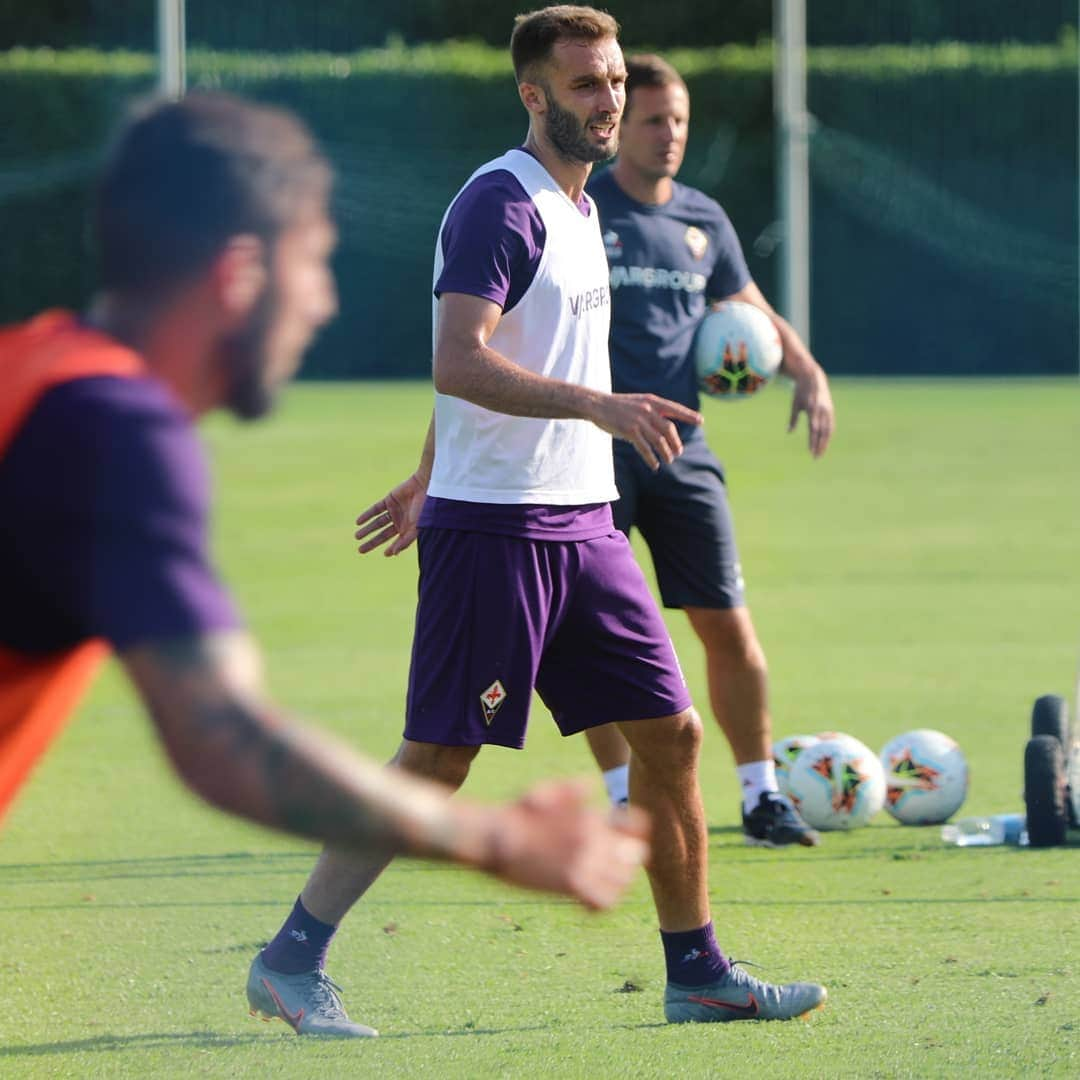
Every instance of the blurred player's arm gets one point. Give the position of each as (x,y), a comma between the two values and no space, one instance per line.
(393,519)
(468,368)
(241,754)
(812,394)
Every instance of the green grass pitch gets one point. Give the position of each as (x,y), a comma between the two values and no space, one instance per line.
(924,573)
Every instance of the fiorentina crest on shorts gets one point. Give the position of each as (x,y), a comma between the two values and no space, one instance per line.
(491,700)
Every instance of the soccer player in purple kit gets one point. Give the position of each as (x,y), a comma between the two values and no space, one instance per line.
(524,581)
(215,243)
(671,250)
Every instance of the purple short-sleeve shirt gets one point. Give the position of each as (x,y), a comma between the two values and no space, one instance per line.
(106,495)
(492,241)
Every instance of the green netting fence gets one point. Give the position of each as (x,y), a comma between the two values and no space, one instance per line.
(944,182)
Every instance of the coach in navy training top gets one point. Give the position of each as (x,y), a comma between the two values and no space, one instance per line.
(666,259)
(671,251)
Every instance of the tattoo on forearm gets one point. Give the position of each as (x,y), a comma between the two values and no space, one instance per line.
(247,758)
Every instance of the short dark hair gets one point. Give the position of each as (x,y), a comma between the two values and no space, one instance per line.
(186,176)
(649,70)
(536,33)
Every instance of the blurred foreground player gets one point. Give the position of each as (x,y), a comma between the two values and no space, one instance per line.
(214,242)
(524,581)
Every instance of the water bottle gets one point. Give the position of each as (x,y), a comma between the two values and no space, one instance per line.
(986,831)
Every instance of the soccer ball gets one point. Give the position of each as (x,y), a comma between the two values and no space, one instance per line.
(784,754)
(736,350)
(837,783)
(926,777)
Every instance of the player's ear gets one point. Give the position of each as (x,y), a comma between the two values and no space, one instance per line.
(240,276)
(533,97)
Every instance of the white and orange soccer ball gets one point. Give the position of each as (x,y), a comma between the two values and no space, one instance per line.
(784,754)
(837,783)
(926,777)
(736,351)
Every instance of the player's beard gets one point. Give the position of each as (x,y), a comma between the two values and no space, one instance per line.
(250,394)
(570,137)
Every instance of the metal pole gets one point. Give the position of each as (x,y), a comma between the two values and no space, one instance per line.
(172,68)
(793,160)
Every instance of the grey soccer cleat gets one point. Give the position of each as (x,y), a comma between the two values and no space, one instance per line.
(308,1002)
(739,996)
(774,822)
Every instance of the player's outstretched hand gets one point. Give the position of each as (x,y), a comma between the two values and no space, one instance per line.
(813,398)
(646,421)
(392,520)
(552,841)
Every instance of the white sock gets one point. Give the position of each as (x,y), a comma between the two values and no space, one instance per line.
(617,782)
(756,778)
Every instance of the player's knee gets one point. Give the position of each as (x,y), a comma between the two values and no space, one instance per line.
(678,741)
(688,733)
(734,647)
(445,764)
(748,656)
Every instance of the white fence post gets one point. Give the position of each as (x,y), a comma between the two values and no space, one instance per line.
(793,160)
(172,67)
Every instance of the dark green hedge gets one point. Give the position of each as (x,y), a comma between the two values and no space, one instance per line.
(944,184)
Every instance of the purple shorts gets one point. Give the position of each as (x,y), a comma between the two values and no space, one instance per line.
(499,615)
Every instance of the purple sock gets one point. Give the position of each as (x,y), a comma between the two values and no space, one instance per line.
(300,945)
(693,957)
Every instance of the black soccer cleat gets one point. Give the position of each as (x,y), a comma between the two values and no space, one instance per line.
(774,822)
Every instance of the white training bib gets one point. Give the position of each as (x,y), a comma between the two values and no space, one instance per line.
(559,328)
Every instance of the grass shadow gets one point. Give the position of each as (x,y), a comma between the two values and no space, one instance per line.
(165,867)
(200,1040)
(526,900)
(211,1040)
(442,1033)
